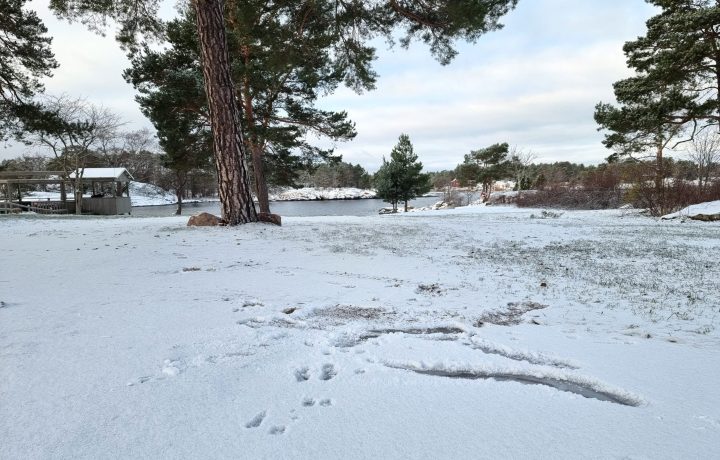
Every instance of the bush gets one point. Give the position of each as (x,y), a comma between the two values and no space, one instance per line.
(572,198)
(674,196)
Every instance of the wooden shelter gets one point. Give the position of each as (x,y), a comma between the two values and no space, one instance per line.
(108,188)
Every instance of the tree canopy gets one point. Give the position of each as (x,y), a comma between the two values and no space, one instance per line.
(281,65)
(676,84)
(675,92)
(25,58)
(490,164)
(437,23)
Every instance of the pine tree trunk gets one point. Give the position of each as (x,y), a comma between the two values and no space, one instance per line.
(178,210)
(261,189)
(228,148)
(660,180)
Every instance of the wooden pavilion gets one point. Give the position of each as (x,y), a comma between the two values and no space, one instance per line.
(108,188)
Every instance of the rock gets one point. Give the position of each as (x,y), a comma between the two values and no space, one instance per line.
(270,218)
(205,219)
(706,217)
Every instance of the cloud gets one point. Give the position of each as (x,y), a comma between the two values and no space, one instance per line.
(543,102)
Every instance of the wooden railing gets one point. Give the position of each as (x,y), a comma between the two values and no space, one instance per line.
(8,207)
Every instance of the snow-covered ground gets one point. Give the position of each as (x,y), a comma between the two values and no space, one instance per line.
(472,333)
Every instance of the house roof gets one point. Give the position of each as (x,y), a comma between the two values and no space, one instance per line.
(113,174)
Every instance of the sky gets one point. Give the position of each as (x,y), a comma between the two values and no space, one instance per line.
(534,84)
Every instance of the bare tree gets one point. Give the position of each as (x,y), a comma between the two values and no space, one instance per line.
(79,128)
(134,150)
(704,151)
(520,161)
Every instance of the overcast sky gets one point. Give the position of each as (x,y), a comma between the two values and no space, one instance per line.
(533,84)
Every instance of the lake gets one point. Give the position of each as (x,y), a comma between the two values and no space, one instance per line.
(290,208)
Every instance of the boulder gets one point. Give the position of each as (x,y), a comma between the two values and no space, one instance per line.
(706,217)
(270,218)
(205,219)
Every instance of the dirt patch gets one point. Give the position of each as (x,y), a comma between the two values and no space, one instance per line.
(511,315)
(352,313)
(433,289)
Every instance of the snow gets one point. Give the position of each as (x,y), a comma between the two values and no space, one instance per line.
(142,194)
(313,193)
(476,332)
(709,208)
(102,173)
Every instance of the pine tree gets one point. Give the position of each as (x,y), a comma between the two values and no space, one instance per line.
(282,66)
(387,183)
(26,57)
(675,91)
(402,179)
(491,164)
(436,22)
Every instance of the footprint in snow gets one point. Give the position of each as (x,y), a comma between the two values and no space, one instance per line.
(309,402)
(328,372)
(302,374)
(278,429)
(256,421)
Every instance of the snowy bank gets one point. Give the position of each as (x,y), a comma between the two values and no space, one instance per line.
(312,193)
(142,194)
(708,211)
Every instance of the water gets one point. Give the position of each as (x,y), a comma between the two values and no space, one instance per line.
(289,208)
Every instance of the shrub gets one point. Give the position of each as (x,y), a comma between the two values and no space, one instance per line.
(572,198)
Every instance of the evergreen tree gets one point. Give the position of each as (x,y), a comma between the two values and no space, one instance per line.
(402,179)
(492,164)
(675,90)
(339,174)
(387,183)
(282,62)
(436,22)
(25,57)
